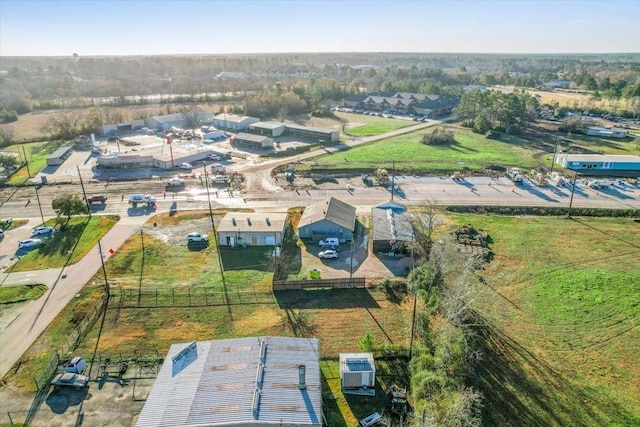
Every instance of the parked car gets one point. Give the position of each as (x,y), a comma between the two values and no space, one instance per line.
(217,168)
(77,365)
(41,231)
(174,182)
(328,254)
(29,243)
(330,248)
(186,165)
(69,379)
(329,241)
(220,179)
(99,198)
(214,157)
(197,237)
(1,235)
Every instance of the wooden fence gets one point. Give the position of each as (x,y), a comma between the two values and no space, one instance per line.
(284,285)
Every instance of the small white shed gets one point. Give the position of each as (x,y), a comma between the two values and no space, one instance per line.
(357,372)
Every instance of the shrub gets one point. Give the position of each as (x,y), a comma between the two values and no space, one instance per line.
(439,136)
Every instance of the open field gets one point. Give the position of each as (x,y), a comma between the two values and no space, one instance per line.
(563,304)
(471,151)
(68,246)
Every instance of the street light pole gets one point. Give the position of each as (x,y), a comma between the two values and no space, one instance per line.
(84,193)
(39,205)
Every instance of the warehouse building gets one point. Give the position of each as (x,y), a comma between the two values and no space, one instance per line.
(256,381)
(270,129)
(252,229)
(234,122)
(252,141)
(59,156)
(317,134)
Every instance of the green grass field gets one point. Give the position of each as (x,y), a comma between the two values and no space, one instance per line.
(563,301)
(68,246)
(471,151)
(37,153)
(374,125)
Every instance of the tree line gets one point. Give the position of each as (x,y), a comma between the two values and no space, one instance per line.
(508,112)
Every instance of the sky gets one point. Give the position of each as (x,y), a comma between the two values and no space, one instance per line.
(90,28)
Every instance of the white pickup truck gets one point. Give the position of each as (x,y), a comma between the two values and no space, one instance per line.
(135,199)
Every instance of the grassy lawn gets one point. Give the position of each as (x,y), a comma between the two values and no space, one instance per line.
(564,302)
(410,154)
(13,294)
(67,246)
(37,153)
(369,126)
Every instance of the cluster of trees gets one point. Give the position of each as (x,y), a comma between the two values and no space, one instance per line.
(439,136)
(445,353)
(510,112)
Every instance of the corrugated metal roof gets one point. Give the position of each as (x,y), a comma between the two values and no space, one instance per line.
(267,125)
(391,222)
(253,221)
(233,118)
(617,158)
(311,129)
(238,382)
(334,210)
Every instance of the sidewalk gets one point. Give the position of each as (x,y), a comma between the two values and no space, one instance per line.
(63,285)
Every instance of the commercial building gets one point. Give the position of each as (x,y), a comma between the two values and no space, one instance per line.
(607,132)
(270,129)
(59,156)
(316,134)
(601,164)
(234,122)
(252,229)
(256,381)
(253,141)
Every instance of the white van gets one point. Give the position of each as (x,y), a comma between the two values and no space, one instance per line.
(220,179)
(218,168)
(329,241)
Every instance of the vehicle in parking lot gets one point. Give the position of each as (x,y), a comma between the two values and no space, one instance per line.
(174,181)
(185,165)
(330,248)
(217,167)
(329,241)
(40,231)
(99,198)
(29,243)
(214,157)
(1,235)
(69,379)
(328,254)
(197,237)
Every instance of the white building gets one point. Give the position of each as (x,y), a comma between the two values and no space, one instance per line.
(234,122)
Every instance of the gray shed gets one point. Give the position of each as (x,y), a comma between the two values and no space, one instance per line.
(331,218)
(59,156)
(392,228)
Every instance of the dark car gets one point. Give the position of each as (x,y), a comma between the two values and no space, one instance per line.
(329,248)
(97,199)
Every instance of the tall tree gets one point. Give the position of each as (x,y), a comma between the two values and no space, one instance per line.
(69,205)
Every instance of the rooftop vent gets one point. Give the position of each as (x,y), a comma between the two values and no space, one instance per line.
(302,384)
(249,221)
(268,222)
(233,221)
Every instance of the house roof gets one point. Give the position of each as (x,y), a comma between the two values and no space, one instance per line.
(334,210)
(253,222)
(169,118)
(239,381)
(251,137)
(391,221)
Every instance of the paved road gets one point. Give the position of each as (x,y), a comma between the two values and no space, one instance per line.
(20,332)
(63,284)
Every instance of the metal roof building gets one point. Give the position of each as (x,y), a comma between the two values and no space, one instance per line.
(331,218)
(601,164)
(391,227)
(254,381)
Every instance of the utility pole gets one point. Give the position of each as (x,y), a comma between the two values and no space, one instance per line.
(555,149)
(573,189)
(141,267)
(393,179)
(104,271)
(213,226)
(39,205)
(26,161)
(351,260)
(84,193)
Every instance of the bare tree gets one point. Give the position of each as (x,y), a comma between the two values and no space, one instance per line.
(7,136)
(64,125)
(191,114)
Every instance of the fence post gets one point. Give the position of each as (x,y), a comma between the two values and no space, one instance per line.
(206,300)
(173,297)
(189,289)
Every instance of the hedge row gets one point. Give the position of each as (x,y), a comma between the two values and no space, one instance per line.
(545,211)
